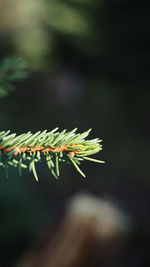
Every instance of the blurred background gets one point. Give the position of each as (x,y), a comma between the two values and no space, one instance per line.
(88,64)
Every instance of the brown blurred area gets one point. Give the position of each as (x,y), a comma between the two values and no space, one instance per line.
(89,68)
(92,232)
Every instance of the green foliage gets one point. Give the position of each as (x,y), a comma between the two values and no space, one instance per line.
(25,150)
(11,69)
(35,27)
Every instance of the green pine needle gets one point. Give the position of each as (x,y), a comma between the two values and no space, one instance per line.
(34,171)
(94,160)
(77,167)
(57,165)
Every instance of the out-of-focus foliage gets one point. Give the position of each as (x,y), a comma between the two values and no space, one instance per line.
(33,25)
(11,69)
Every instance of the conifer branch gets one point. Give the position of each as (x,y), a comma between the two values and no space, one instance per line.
(25,150)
